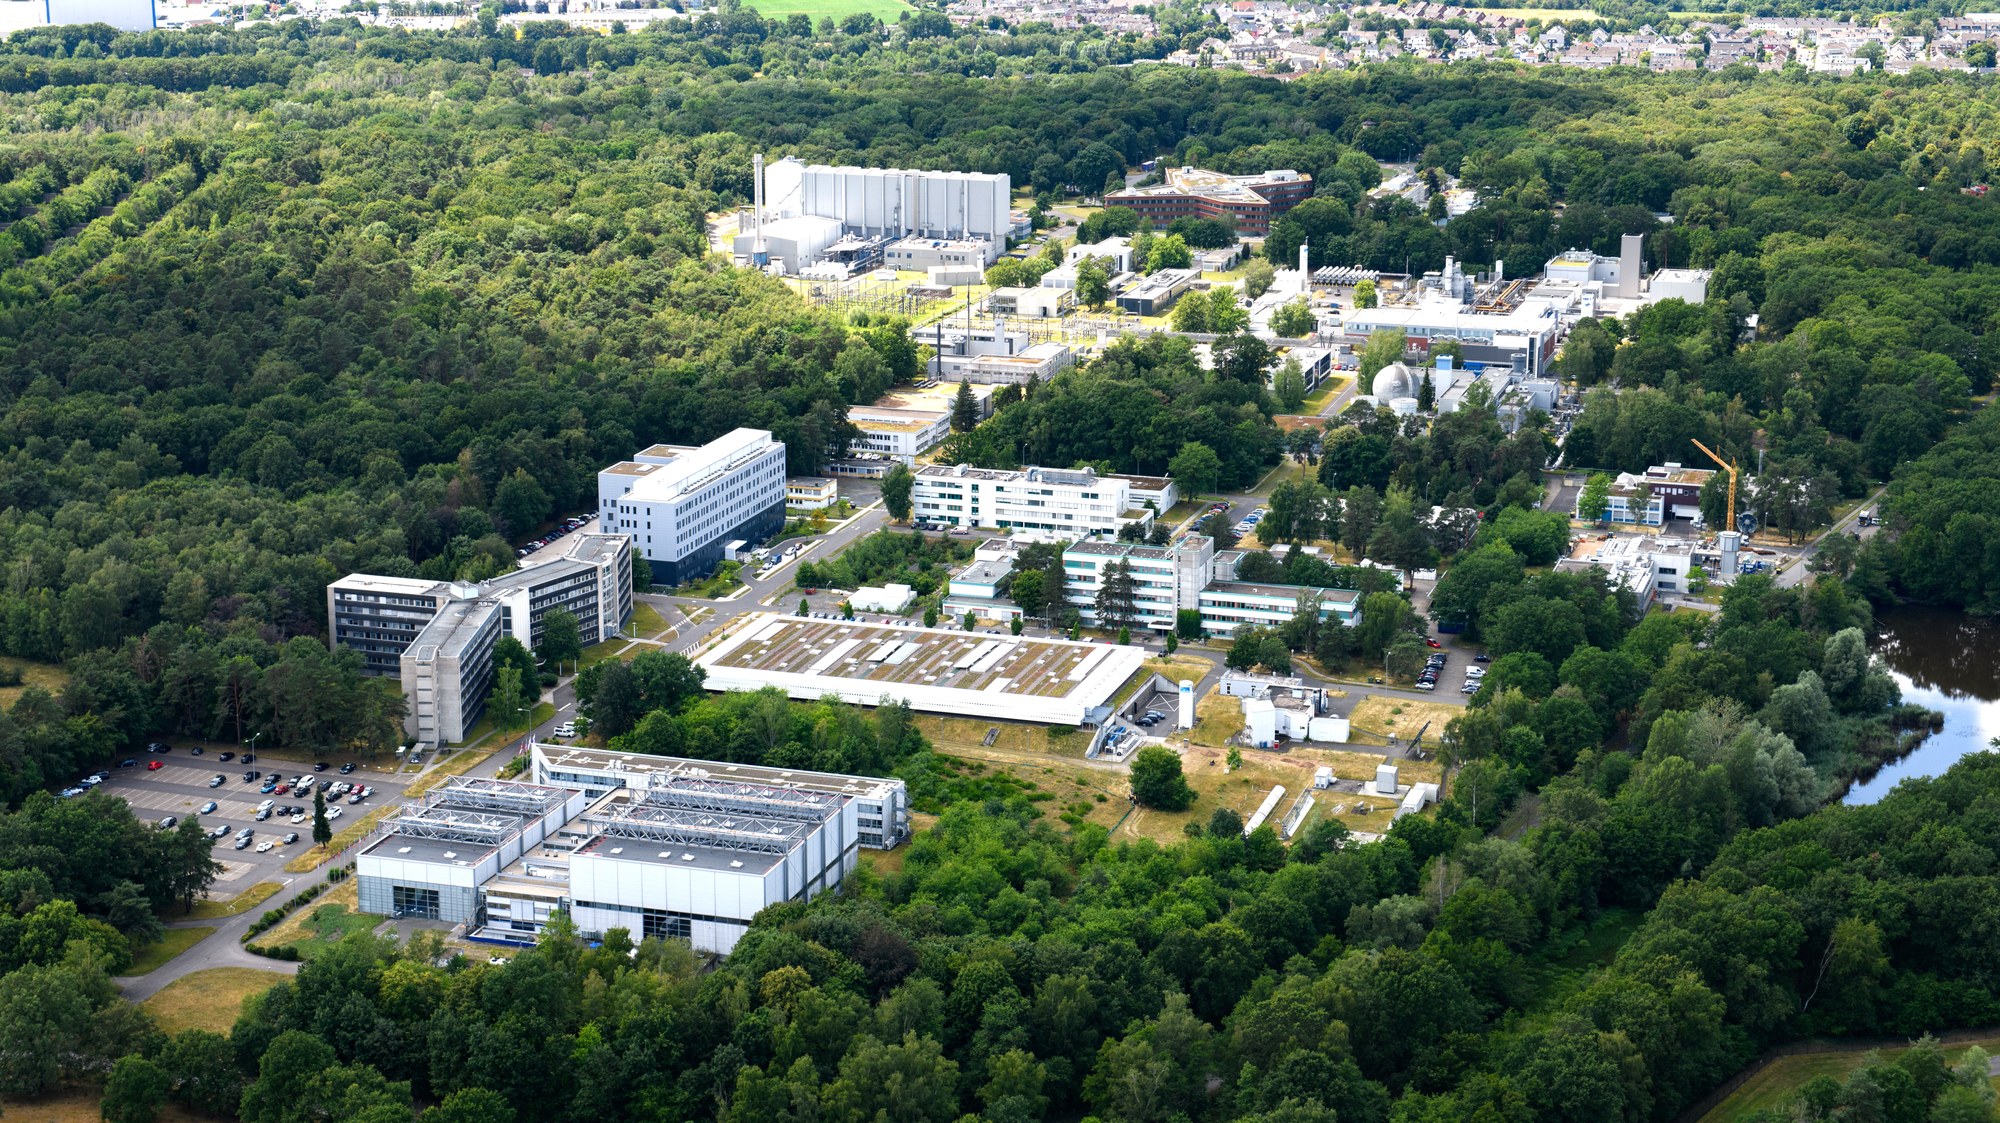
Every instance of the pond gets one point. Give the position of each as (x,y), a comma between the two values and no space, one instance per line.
(1943,660)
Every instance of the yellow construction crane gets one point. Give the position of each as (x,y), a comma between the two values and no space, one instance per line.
(1731,469)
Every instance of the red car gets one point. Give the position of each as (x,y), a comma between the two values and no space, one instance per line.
(1432,643)
(153,766)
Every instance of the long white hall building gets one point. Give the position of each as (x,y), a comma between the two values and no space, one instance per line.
(658,846)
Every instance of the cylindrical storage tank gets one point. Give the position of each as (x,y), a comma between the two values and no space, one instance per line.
(1403,407)
(1187,704)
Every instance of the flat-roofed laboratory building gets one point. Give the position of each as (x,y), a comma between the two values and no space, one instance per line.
(674,855)
(938,670)
(882,803)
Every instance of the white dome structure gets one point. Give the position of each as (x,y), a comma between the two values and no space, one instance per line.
(1396,380)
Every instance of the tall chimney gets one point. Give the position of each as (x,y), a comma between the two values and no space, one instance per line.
(760,254)
(1630,265)
(1305,274)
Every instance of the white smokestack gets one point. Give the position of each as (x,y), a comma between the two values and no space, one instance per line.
(1305,274)
(1630,265)
(759,252)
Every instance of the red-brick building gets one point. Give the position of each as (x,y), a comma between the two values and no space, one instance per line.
(1249,202)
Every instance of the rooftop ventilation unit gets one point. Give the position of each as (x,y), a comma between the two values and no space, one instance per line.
(687,857)
(618,850)
(402,850)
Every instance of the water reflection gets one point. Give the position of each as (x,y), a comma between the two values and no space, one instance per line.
(1944,661)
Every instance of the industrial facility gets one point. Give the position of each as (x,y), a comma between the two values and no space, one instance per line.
(658,846)
(835,222)
(938,670)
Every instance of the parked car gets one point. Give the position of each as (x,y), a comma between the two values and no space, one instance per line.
(291,837)
(264,814)
(1482,657)
(247,758)
(298,817)
(1429,642)
(243,843)
(70,793)
(250,777)
(332,813)
(216,780)
(347,769)
(320,766)
(153,766)
(128,762)
(220,830)
(158,747)
(566,729)
(169,823)
(196,751)
(264,845)
(225,757)
(207,808)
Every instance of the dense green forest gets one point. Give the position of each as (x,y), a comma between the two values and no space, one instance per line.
(283,302)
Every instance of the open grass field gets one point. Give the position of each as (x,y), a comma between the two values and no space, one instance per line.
(1381,716)
(234,906)
(81,1106)
(1776,1082)
(51,679)
(155,955)
(1548,15)
(208,1000)
(949,733)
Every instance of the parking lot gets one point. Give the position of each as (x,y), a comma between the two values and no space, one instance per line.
(180,787)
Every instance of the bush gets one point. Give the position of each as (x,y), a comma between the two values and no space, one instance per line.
(1157,781)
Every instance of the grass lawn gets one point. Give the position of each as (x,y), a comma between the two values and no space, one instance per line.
(949,733)
(884,10)
(51,679)
(1382,716)
(81,1106)
(176,941)
(1280,474)
(241,903)
(325,921)
(610,649)
(1550,15)
(1217,718)
(647,621)
(208,1000)
(1317,400)
(1777,1081)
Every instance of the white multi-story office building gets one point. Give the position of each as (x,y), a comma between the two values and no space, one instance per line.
(900,434)
(1186,574)
(1165,579)
(1079,503)
(438,637)
(680,505)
